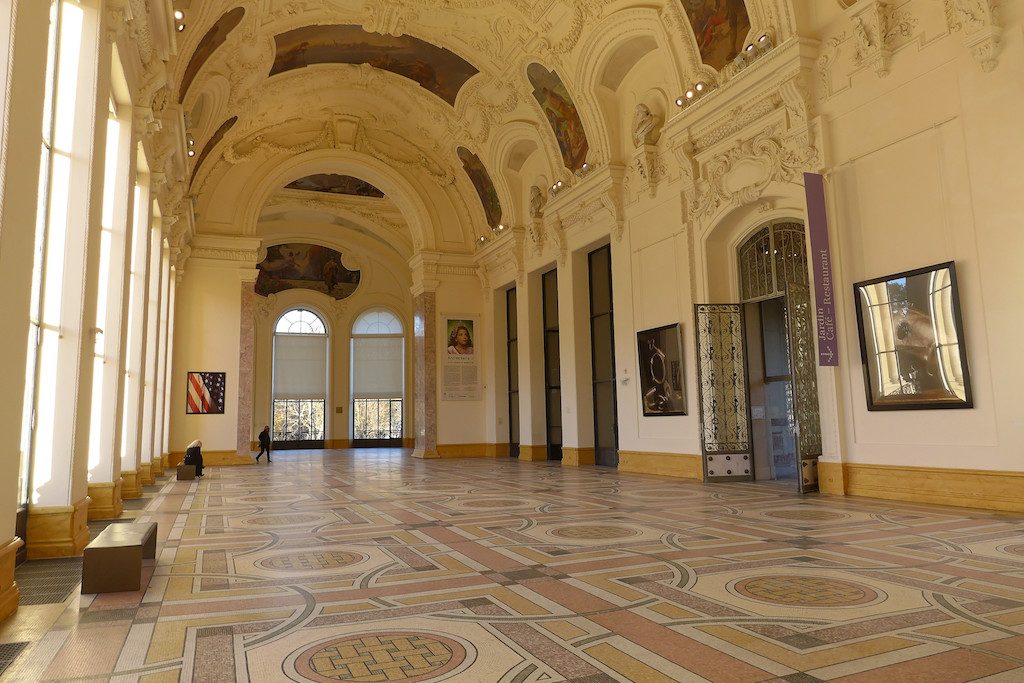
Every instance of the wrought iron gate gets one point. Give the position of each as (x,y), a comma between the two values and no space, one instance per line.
(803,359)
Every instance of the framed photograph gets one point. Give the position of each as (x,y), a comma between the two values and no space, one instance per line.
(912,341)
(204,394)
(662,389)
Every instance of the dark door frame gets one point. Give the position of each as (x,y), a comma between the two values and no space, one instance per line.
(550,278)
(593,358)
(512,313)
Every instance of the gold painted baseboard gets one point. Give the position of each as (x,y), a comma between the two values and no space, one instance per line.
(424,454)
(573,456)
(106,500)
(165,460)
(57,531)
(217,459)
(530,453)
(498,450)
(337,443)
(462,450)
(146,474)
(130,486)
(831,478)
(986,489)
(681,465)
(156,467)
(9,594)
(173,459)
(408,443)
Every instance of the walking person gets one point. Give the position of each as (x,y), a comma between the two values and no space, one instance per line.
(264,444)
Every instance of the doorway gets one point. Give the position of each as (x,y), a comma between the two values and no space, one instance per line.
(757,369)
(552,365)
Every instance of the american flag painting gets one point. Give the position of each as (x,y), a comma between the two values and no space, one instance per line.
(205,395)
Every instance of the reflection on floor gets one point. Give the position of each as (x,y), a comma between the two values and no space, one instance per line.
(372,566)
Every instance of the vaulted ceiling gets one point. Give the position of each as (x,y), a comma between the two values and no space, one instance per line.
(452,109)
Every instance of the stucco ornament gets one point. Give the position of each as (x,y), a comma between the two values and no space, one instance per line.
(979,23)
(537,202)
(645,125)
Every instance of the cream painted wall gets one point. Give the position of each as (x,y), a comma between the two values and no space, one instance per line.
(206,333)
(461,422)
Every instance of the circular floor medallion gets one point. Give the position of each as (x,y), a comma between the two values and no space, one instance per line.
(384,656)
(310,561)
(283,520)
(806,515)
(805,591)
(594,532)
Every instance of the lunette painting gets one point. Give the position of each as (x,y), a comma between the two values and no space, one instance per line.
(561,113)
(305,266)
(333,183)
(912,340)
(440,71)
(481,179)
(720,27)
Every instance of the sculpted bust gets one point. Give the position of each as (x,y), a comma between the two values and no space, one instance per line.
(644,123)
(537,201)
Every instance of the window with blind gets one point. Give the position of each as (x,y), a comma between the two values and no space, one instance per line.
(300,378)
(378,378)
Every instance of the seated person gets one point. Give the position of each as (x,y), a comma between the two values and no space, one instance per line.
(194,456)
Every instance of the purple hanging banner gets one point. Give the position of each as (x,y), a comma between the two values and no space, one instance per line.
(821,267)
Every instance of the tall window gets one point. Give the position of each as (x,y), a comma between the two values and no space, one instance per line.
(300,379)
(57,145)
(378,374)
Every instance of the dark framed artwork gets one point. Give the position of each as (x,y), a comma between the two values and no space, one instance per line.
(662,387)
(912,341)
(204,393)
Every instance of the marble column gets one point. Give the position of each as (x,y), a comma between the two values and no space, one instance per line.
(425,369)
(246,368)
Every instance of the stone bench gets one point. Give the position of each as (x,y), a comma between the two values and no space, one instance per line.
(112,562)
(186,472)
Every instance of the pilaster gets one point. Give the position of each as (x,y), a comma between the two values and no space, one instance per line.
(57,531)
(425,371)
(131,487)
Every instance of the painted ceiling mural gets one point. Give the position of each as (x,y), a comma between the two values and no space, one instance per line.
(561,113)
(477,173)
(212,142)
(720,27)
(305,266)
(438,70)
(213,39)
(333,183)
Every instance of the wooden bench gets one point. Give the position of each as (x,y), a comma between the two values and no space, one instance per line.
(112,562)
(186,472)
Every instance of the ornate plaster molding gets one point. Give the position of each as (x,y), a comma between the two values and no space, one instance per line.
(978,21)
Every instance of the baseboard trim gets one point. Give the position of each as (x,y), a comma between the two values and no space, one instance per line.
(9,594)
(529,453)
(450,451)
(574,456)
(60,531)
(679,465)
(106,500)
(984,489)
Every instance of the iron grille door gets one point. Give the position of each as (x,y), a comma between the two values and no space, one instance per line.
(724,404)
(803,359)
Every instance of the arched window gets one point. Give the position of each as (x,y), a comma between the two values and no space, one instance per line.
(378,379)
(300,379)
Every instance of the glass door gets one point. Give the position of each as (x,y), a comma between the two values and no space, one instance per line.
(552,365)
(602,354)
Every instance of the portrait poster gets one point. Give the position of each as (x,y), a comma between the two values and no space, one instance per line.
(912,341)
(461,361)
(662,386)
(204,393)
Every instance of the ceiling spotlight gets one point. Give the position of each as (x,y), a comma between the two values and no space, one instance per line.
(179,15)
(586,166)
(680,101)
(559,184)
(181,27)
(191,152)
(482,239)
(699,87)
(689,94)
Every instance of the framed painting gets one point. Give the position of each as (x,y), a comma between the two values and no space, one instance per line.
(204,393)
(662,389)
(912,341)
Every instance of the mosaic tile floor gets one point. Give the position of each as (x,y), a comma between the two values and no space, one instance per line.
(371,566)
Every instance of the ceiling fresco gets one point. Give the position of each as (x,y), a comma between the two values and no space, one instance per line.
(332,183)
(438,70)
(212,142)
(213,39)
(561,113)
(477,173)
(720,27)
(305,266)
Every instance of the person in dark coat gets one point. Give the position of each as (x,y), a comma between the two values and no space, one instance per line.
(194,456)
(264,444)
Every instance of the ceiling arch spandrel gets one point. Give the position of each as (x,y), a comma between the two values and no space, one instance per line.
(216,36)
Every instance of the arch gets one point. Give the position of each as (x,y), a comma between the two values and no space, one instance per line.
(378,320)
(300,321)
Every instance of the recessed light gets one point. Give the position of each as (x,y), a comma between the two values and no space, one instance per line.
(179,15)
